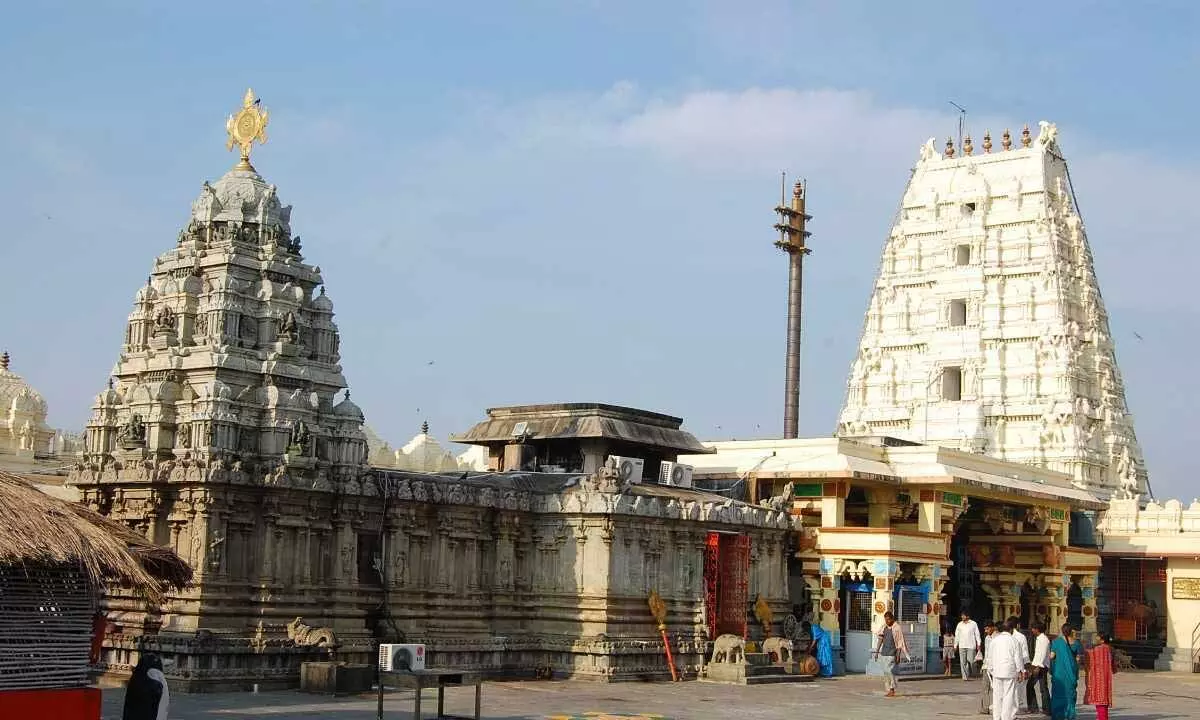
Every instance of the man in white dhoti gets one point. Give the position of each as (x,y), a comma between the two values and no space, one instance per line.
(1006,666)
(1018,634)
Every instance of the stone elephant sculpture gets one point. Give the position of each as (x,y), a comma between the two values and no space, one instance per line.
(780,649)
(729,649)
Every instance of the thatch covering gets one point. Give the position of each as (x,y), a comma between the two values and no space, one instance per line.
(36,529)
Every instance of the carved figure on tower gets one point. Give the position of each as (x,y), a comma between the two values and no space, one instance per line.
(300,437)
(133,434)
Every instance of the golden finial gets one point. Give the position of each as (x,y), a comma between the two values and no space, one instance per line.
(245,127)
(1026,139)
(949,147)
(968,148)
(987,141)
(1006,140)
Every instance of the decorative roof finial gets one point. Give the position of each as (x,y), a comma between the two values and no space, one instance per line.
(968,148)
(1006,140)
(4,360)
(1026,138)
(322,289)
(247,126)
(425,427)
(110,382)
(987,141)
(949,148)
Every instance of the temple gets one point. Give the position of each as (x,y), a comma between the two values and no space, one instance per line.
(985,330)
(227,432)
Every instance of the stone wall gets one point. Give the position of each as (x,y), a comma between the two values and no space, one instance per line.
(505,574)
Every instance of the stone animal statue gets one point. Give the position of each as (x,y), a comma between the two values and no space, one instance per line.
(304,635)
(729,649)
(780,649)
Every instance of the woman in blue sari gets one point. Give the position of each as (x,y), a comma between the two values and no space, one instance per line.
(1064,674)
(821,648)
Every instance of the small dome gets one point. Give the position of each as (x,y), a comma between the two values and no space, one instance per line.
(322,303)
(347,408)
(241,196)
(18,401)
(146,293)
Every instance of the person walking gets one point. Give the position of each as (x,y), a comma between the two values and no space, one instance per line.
(1064,675)
(1039,668)
(967,642)
(947,650)
(146,694)
(1007,668)
(1100,670)
(1014,625)
(985,694)
(890,644)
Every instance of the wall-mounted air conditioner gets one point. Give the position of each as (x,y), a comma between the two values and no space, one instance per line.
(630,468)
(673,473)
(394,657)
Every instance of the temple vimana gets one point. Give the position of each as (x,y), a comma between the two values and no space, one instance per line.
(984,431)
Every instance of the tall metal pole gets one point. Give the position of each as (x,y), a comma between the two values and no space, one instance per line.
(792,237)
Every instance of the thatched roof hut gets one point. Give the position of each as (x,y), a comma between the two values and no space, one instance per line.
(55,559)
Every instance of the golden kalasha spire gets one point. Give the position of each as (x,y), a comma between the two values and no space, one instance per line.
(987,141)
(968,148)
(1026,138)
(949,147)
(245,127)
(1006,140)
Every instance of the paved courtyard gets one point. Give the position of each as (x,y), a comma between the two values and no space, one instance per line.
(1140,696)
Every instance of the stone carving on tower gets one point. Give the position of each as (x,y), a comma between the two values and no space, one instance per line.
(986,330)
(224,431)
(23,428)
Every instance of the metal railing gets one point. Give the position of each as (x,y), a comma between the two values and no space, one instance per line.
(1196,648)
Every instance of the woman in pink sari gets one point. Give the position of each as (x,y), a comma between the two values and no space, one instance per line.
(1100,669)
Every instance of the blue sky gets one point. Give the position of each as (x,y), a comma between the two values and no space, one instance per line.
(570,201)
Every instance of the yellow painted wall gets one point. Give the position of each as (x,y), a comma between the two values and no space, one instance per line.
(1182,615)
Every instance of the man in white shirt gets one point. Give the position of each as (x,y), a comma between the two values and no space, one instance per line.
(1006,666)
(967,642)
(1022,642)
(985,694)
(1039,669)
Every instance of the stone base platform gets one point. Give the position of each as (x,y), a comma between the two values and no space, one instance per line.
(756,670)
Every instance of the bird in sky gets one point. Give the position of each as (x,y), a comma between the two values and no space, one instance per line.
(1139,337)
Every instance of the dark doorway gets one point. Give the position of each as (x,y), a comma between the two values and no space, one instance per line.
(726,583)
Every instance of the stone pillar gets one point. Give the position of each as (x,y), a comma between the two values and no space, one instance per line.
(267,567)
(827,606)
(1087,586)
(880,508)
(833,512)
(933,627)
(929,515)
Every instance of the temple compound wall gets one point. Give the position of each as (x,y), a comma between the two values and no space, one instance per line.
(504,573)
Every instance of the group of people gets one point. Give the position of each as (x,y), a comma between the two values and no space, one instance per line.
(1046,681)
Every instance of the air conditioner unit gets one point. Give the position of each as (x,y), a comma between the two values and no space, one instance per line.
(673,473)
(394,657)
(630,468)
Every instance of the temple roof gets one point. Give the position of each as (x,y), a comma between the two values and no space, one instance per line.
(576,421)
(18,395)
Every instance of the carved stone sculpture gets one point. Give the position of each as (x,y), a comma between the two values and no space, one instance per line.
(164,320)
(780,649)
(305,635)
(133,434)
(287,328)
(300,437)
(729,649)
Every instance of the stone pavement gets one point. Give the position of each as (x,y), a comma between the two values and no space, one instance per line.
(1139,696)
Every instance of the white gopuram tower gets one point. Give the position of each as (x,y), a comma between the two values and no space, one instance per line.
(985,330)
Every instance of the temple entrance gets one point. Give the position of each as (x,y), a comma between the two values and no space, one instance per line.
(857,598)
(726,583)
(963,589)
(1132,599)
